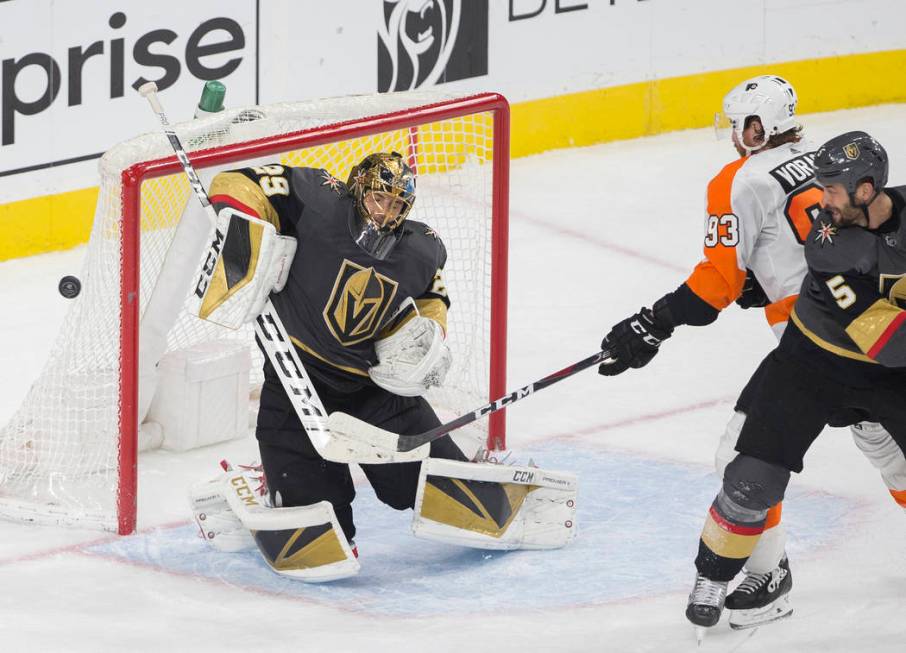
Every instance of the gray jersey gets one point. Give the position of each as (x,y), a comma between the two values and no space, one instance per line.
(853,298)
(338,299)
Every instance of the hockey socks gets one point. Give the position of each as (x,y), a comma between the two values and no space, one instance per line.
(738,515)
(728,539)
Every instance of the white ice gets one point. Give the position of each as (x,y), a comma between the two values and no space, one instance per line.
(595,233)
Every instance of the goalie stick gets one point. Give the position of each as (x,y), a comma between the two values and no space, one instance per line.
(269,329)
(347,426)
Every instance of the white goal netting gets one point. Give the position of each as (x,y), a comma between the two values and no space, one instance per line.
(62,454)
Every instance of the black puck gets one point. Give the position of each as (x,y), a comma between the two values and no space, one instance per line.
(70,287)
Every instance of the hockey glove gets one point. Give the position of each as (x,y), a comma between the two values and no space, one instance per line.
(753,295)
(634,341)
(412,359)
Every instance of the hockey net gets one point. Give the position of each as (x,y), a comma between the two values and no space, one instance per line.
(68,455)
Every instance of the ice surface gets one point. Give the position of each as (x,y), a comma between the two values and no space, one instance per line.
(595,233)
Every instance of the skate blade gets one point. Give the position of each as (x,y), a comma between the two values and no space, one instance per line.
(743,619)
(700,632)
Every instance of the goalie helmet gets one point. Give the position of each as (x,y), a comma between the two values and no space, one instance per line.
(770,98)
(383,187)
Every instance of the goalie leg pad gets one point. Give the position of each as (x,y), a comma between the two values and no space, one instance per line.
(488,506)
(219,526)
(305,542)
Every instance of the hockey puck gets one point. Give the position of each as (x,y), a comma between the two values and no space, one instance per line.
(70,287)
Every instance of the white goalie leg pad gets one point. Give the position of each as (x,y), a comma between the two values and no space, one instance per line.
(413,359)
(305,543)
(219,526)
(488,506)
(247,260)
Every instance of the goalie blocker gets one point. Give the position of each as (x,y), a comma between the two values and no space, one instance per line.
(455,504)
(246,261)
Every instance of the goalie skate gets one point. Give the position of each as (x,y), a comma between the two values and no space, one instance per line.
(761,598)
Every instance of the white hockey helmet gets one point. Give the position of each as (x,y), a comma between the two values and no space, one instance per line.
(772,99)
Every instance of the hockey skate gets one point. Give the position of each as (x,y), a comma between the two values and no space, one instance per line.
(706,602)
(761,598)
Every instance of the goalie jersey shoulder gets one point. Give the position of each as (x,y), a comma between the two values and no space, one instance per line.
(424,244)
(279,194)
(317,187)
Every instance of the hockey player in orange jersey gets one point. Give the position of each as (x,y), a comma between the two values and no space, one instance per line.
(759,210)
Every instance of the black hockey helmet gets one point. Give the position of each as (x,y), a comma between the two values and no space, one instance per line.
(387,174)
(849,159)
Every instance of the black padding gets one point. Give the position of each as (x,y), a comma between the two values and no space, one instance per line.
(688,308)
(237,252)
(755,484)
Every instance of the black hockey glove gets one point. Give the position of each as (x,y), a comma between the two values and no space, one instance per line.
(753,295)
(634,341)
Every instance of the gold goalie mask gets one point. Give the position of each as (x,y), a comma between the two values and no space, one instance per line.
(383,188)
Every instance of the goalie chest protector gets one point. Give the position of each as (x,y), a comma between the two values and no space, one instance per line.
(337,297)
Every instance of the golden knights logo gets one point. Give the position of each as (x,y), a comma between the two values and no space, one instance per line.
(358,303)
(893,286)
(851,150)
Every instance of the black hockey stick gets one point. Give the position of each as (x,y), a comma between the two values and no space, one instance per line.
(355,429)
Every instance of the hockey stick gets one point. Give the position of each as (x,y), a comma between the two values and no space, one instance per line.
(269,329)
(355,429)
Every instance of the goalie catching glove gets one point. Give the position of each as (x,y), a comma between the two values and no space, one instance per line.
(246,262)
(412,359)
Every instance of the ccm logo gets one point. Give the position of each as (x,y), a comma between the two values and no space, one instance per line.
(209,263)
(523,476)
(243,491)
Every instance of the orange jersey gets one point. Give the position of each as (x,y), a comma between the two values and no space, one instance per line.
(759,211)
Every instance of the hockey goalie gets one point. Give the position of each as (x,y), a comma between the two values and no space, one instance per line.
(359,290)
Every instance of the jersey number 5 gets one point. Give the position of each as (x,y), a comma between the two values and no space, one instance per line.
(844,295)
(802,208)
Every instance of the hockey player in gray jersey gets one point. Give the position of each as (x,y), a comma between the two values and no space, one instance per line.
(364,304)
(760,209)
(841,360)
